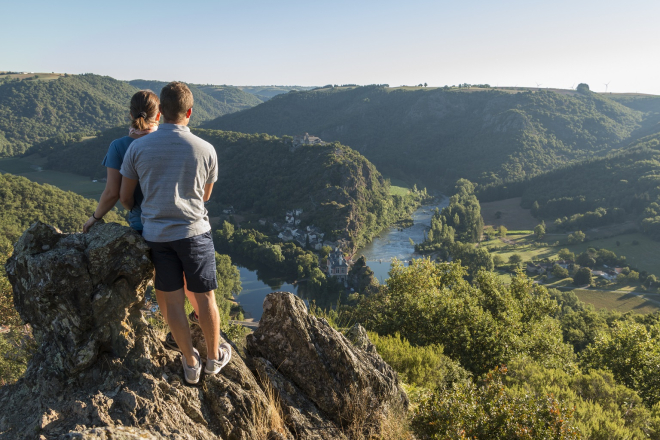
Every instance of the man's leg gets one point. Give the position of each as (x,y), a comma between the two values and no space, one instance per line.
(178,322)
(191,297)
(209,321)
(162,305)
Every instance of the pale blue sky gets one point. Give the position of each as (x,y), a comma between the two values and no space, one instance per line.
(511,42)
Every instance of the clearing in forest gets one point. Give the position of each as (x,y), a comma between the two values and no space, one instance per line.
(512,216)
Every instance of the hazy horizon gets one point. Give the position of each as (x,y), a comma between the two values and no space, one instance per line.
(297,43)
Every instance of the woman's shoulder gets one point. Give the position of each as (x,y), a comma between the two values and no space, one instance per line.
(121,144)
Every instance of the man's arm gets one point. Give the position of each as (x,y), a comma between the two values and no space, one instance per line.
(208,189)
(126,192)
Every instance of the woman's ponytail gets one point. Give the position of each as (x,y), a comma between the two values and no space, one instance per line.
(144,108)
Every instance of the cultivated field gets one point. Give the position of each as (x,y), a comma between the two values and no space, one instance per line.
(40,76)
(513,217)
(622,302)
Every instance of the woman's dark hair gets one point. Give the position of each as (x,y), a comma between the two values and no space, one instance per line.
(144,108)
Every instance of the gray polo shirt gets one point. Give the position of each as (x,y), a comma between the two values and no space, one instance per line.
(172,165)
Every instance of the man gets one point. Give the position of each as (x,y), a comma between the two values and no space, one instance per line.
(176,171)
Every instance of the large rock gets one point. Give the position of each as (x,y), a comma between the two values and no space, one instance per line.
(101,372)
(343,381)
(99,363)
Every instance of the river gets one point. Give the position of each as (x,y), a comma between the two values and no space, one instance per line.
(391,243)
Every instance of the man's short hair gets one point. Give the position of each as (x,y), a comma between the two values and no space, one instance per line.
(175,100)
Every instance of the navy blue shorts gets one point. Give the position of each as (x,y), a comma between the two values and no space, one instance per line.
(194,256)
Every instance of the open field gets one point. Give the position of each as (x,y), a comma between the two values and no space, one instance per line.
(512,215)
(645,255)
(622,302)
(16,166)
(398,190)
(66,181)
(41,76)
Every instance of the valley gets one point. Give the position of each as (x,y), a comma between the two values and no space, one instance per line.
(481,226)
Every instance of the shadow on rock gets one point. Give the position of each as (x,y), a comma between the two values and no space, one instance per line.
(100,370)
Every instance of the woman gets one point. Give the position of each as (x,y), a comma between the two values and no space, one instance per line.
(144,115)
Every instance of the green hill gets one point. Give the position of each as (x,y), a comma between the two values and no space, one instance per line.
(267,92)
(597,192)
(22,202)
(210,101)
(435,136)
(34,109)
(263,176)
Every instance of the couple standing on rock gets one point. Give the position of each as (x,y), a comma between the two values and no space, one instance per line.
(164,175)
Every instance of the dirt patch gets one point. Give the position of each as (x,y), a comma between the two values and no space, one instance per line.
(512,216)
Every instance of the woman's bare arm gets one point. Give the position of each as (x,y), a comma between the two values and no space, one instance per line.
(108,199)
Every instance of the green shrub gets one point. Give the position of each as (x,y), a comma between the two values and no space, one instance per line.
(488,411)
(421,366)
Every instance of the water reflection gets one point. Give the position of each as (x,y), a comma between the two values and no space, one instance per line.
(393,243)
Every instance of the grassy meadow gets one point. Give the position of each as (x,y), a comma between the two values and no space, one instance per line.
(66,181)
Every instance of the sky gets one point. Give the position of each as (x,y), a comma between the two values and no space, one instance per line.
(557,43)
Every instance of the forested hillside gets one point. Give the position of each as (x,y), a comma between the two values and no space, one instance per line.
(22,202)
(596,192)
(339,190)
(210,101)
(32,110)
(437,136)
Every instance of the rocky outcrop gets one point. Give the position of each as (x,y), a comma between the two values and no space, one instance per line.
(101,372)
(325,366)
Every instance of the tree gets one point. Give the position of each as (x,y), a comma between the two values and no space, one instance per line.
(566,255)
(559,272)
(425,84)
(583,88)
(481,324)
(586,260)
(535,208)
(229,277)
(498,260)
(631,351)
(583,277)
(515,259)
(539,231)
(502,230)
(576,237)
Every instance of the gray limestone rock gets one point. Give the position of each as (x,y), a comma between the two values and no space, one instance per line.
(330,371)
(101,372)
(99,363)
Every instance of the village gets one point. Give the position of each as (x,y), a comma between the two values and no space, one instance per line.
(309,237)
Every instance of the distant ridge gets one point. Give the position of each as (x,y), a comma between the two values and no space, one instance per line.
(435,136)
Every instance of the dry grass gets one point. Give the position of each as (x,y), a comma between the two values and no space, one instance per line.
(270,420)
(363,418)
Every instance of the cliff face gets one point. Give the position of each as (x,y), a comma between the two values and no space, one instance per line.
(101,372)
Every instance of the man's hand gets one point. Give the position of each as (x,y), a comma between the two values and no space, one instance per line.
(126,192)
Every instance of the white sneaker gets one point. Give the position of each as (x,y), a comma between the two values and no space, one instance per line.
(191,374)
(214,366)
